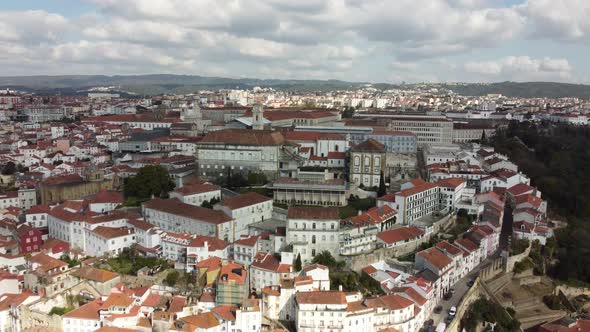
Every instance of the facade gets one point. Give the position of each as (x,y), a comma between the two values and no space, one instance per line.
(429,130)
(222,152)
(394,141)
(367,162)
(29,239)
(232,284)
(172,215)
(73,186)
(197,194)
(468,132)
(322,192)
(245,209)
(108,241)
(311,230)
(267,270)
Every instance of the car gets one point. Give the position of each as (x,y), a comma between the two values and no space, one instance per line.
(449,319)
(470,283)
(453,311)
(438,309)
(452,290)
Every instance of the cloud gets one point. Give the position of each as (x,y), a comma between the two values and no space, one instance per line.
(343,39)
(565,20)
(30,27)
(521,68)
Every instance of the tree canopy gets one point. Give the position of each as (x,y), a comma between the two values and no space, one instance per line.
(556,157)
(150,181)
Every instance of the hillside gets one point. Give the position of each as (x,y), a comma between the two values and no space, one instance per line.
(164,83)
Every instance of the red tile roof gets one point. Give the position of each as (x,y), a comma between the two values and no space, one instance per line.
(450,182)
(243,200)
(244,137)
(176,207)
(192,189)
(89,311)
(321,297)
(112,232)
(314,213)
(400,234)
(436,258)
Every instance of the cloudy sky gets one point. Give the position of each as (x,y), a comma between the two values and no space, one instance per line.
(360,40)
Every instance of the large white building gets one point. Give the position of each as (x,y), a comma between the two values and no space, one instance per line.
(312,230)
(108,241)
(418,198)
(239,150)
(172,215)
(245,209)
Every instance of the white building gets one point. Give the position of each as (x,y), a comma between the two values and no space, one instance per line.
(108,241)
(197,193)
(312,230)
(267,270)
(172,215)
(245,209)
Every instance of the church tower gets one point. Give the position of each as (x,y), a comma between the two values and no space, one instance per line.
(195,116)
(257,117)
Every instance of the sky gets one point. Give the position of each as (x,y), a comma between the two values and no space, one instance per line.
(355,40)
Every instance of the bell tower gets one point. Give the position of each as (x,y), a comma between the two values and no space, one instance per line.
(257,117)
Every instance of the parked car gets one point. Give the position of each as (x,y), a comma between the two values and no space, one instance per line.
(453,311)
(449,319)
(452,290)
(470,283)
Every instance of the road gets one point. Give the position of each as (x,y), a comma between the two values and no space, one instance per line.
(460,289)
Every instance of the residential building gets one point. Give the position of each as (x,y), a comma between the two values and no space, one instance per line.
(232,284)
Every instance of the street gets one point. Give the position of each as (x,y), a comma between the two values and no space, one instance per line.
(460,289)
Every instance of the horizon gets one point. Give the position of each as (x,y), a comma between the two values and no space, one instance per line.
(467,41)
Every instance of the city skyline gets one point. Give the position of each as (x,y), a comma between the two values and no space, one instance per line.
(373,41)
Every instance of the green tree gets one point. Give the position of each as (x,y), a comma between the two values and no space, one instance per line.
(483,139)
(71,262)
(348,112)
(151,180)
(172,278)
(326,258)
(382,190)
(552,301)
(209,204)
(297,263)
(9,168)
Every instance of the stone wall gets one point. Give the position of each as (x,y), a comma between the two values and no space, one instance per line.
(357,263)
(571,291)
(471,296)
(492,269)
(30,318)
(517,258)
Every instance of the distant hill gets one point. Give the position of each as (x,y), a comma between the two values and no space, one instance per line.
(164,83)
